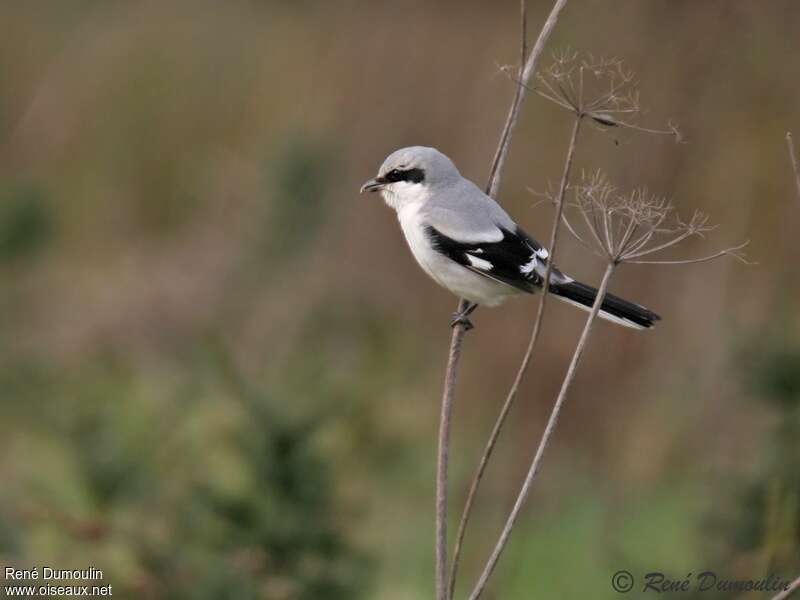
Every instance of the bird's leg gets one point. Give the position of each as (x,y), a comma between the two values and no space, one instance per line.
(462,317)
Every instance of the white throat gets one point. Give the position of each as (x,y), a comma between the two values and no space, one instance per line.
(404,193)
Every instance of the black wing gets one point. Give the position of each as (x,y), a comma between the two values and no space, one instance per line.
(516,260)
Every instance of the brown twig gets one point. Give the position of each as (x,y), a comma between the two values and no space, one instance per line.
(548,432)
(793,587)
(512,393)
(495,176)
(793,158)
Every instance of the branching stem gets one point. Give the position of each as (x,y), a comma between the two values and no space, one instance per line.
(545,441)
(523,368)
(458,331)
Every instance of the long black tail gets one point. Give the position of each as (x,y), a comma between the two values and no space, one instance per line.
(613,308)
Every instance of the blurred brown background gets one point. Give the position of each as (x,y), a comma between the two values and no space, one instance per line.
(220,367)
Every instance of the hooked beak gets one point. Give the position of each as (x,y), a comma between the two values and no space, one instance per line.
(374,185)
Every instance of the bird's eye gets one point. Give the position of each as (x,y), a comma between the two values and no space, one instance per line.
(394,175)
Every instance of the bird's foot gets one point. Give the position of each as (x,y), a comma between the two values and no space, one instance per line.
(462,317)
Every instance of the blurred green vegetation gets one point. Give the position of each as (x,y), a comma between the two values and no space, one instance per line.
(765,520)
(197,488)
(26,222)
(220,367)
(301,175)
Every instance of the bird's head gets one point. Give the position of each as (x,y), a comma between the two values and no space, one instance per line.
(409,174)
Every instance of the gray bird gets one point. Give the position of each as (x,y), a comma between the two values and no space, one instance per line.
(468,244)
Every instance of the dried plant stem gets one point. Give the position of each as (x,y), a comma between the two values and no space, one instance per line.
(795,585)
(545,441)
(793,158)
(519,96)
(443,456)
(512,393)
(496,172)
(733,251)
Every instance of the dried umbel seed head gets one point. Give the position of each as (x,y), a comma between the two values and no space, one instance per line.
(629,227)
(598,88)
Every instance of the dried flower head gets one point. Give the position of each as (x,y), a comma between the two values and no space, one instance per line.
(598,88)
(628,227)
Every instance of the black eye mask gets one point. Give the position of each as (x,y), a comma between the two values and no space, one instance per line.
(412,175)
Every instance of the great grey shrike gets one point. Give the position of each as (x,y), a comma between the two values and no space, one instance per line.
(468,244)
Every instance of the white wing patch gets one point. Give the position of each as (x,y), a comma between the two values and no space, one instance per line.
(529,266)
(479,263)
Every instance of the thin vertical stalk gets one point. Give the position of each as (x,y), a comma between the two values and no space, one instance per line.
(443,455)
(456,340)
(522,89)
(512,393)
(793,158)
(545,441)
(795,585)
